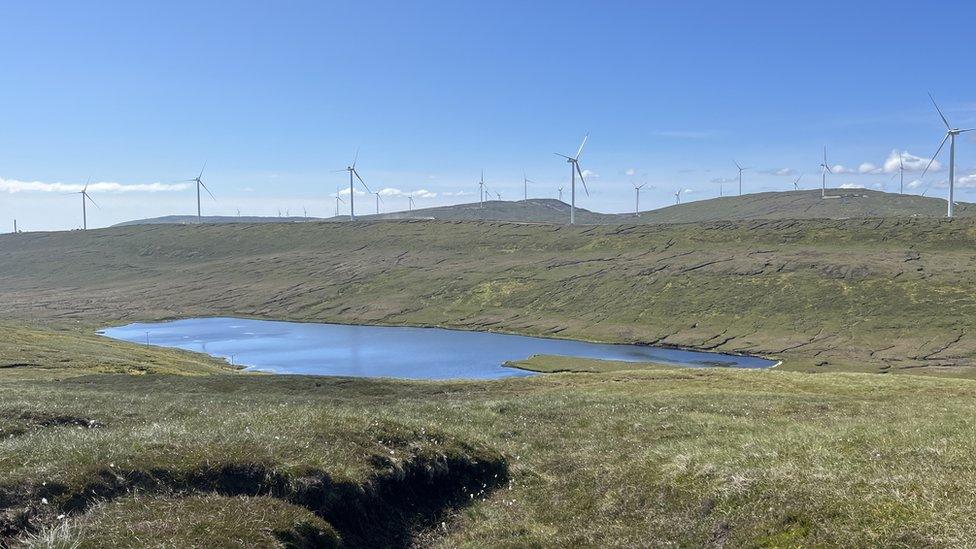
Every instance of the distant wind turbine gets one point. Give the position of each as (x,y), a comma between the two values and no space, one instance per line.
(637,189)
(677,197)
(824,170)
(85,198)
(525,186)
(378,200)
(481,190)
(575,169)
(741,169)
(796,182)
(338,200)
(199,181)
(353,175)
(950,136)
(901,172)
(499,195)
(410,203)
(560,194)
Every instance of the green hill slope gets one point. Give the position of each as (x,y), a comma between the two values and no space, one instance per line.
(533,210)
(840,204)
(874,295)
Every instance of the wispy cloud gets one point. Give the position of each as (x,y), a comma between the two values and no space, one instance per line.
(867,168)
(630,171)
(779,171)
(724,180)
(851,186)
(839,168)
(590,174)
(15,186)
(419,193)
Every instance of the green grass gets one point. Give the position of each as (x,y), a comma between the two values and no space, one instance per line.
(855,295)
(551,364)
(659,455)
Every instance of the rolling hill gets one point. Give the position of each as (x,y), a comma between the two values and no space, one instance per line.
(213,219)
(806,204)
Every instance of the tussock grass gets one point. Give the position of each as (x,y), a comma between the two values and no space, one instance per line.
(662,455)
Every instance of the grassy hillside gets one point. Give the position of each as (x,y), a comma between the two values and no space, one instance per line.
(533,210)
(869,295)
(189,219)
(621,459)
(841,204)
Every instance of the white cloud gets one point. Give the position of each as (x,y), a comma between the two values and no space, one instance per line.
(914,184)
(587,174)
(420,193)
(687,191)
(14,186)
(842,169)
(458,193)
(868,168)
(967,181)
(345,192)
(780,171)
(912,163)
(724,180)
(851,186)
(630,171)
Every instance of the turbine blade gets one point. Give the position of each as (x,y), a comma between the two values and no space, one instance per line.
(580,172)
(208,191)
(355,158)
(361,180)
(563,155)
(934,156)
(944,121)
(86,184)
(91,200)
(203,168)
(967,130)
(580,150)
(737,165)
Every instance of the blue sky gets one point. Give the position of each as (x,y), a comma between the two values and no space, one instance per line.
(276,96)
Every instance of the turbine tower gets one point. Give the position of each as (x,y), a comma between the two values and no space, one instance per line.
(950,136)
(901,172)
(741,169)
(637,189)
(525,186)
(85,198)
(199,181)
(824,170)
(353,175)
(574,170)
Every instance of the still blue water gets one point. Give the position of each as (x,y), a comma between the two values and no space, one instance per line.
(398,352)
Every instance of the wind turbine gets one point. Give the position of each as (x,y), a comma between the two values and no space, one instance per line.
(637,189)
(499,195)
(481,190)
(352,190)
(410,203)
(824,170)
(199,181)
(378,200)
(900,173)
(85,198)
(950,136)
(560,194)
(525,186)
(796,182)
(338,200)
(741,169)
(677,197)
(574,170)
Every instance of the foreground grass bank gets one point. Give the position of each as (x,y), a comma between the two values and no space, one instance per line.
(659,456)
(854,295)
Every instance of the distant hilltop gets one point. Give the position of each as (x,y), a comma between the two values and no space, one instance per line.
(805,204)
